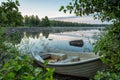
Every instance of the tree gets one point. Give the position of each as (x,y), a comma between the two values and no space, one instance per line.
(13,64)
(37,20)
(108,45)
(31,21)
(105,10)
(9,14)
(26,20)
(45,21)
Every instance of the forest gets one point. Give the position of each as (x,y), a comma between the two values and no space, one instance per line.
(35,21)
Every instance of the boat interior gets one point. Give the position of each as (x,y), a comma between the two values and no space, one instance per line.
(67,57)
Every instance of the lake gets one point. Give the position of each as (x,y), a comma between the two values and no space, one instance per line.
(60,40)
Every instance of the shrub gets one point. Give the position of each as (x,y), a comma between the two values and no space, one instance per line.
(109,48)
(21,68)
(14,66)
(107,75)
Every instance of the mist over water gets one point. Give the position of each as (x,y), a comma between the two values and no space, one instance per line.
(60,40)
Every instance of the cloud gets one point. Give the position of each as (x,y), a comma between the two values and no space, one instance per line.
(84,19)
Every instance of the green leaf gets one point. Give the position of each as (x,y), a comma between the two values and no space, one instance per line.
(18,67)
(31,67)
(64,10)
(11,75)
(46,62)
(17,2)
(37,71)
(62,7)
(28,77)
(1,78)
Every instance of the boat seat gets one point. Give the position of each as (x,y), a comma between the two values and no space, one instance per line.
(54,56)
(70,59)
(58,56)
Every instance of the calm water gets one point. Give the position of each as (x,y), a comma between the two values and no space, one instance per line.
(61,40)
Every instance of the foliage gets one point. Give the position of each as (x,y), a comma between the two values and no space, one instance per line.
(107,76)
(45,21)
(71,24)
(34,21)
(31,21)
(7,50)
(108,45)
(21,68)
(9,14)
(14,37)
(104,10)
(13,65)
(2,30)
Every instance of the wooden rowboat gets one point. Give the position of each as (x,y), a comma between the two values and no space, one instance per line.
(86,66)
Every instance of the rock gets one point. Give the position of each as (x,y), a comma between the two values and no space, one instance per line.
(78,43)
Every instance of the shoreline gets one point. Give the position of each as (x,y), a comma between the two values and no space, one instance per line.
(47,29)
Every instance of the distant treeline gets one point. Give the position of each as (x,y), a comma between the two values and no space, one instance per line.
(34,21)
(71,24)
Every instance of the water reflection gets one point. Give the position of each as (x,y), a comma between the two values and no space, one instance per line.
(61,40)
(46,34)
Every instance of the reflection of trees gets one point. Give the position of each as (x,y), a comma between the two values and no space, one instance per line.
(46,34)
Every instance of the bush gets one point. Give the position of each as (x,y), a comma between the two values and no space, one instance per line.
(14,66)
(109,48)
(7,50)
(21,68)
(107,75)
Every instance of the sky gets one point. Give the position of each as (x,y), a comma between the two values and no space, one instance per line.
(51,8)
(43,8)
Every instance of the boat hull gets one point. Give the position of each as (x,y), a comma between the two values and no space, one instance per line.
(80,69)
